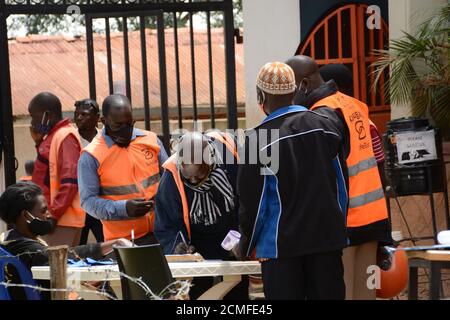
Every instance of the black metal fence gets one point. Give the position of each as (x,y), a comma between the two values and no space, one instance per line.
(159,10)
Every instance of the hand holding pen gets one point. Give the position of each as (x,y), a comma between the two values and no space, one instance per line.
(183,247)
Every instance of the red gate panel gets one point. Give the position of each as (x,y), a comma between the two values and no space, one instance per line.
(343,37)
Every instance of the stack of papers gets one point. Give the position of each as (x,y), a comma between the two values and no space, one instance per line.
(195,257)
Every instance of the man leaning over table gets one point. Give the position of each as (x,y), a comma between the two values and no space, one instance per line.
(196,202)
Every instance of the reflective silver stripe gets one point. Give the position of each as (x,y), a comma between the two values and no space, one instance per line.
(362,166)
(129,189)
(150,181)
(366,198)
(118,190)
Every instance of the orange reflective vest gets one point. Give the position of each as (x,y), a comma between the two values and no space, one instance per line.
(127,173)
(170,165)
(74,215)
(366,196)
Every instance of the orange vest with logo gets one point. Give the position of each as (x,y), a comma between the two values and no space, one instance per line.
(124,174)
(74,216)
(366,196)
(170,165)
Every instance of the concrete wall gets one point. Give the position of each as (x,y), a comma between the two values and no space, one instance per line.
(24,145)
(271,32)
(407,15)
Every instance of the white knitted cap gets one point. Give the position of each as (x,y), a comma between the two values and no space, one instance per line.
(276,78)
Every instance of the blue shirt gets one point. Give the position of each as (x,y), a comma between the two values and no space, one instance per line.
(284,111)
(89,184)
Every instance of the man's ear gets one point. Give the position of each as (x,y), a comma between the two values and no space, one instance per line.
(24,215)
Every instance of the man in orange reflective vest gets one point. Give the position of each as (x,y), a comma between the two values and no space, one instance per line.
(367,220)
(119,172)
(55,169)
(196,203)
(344,81)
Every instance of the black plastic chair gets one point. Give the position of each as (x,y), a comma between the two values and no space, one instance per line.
(145,262)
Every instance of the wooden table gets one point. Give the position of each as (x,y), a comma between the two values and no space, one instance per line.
(435,261)
(231,272)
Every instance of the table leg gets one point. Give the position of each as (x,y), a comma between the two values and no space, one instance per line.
(218,291)
(447,213)
(413,280)
(433,211)
(435,281)
(388,205)
(116,286)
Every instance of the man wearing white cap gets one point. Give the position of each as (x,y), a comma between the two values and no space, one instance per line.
(293,213)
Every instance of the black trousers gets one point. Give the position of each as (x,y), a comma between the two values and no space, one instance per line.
(91,224)
(312,277)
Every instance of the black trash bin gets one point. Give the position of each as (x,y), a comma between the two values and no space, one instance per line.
(415,172)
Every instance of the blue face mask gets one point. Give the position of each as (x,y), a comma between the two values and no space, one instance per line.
(43,127)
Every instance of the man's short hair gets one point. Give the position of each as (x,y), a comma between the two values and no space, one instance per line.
(16,198)
(106,105)
(29,167)
(88,103)
(340,74)
(196,148)
(46,101)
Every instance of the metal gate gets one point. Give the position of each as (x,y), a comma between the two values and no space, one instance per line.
(124,9)
(342,37)
(142,15)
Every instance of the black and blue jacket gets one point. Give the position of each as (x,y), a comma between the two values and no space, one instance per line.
(297,206)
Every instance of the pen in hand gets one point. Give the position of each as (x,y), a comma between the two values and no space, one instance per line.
(183,247)
(182,237)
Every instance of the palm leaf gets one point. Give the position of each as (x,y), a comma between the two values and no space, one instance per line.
(440,103)
(419,69)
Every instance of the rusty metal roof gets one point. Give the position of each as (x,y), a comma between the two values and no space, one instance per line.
(59,65)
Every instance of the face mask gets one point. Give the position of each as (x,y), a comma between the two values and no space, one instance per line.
(301,94)
(43,127)
(122,136)
(38,226)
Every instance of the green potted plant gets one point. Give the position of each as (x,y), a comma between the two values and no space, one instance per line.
(419,70)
